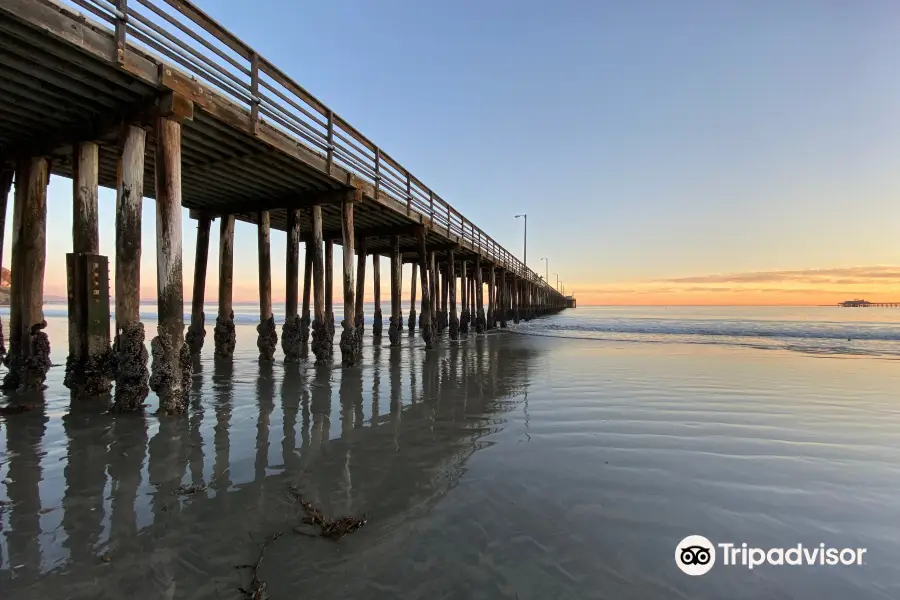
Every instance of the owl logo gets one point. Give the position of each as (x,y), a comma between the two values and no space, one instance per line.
(695,555)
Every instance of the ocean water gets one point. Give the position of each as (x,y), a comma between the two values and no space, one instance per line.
(564,458)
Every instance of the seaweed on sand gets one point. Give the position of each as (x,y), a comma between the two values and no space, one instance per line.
(333,529)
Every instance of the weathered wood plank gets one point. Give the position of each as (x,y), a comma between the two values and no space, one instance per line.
(226,265)
(265,265)
(292,264)
(197,330)
(451,279)
(425,319)
(321,344)
(168,379)
(85,182)
(350,345)
(129,199)
(396,285)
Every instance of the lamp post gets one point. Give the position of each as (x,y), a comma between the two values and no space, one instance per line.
(525,252)
(546,269)
(557,282)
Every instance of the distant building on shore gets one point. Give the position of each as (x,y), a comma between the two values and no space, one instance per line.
(854,303)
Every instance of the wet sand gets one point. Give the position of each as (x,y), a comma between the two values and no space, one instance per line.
(507,466)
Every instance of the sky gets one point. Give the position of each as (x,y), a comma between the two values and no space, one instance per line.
(697,152)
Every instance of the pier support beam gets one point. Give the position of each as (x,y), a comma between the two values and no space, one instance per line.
(473,312)
(451,278)
(197,330)
(6,178)
(411,324)
(464,288)
(131,353)
(305,316)
(267,339)
(329,292)
(396,326)
(352,323)
(504,298)
(517,299)
(89,368)
(479,296)
(425,319)
(445,288)
(171,367)
(291,343)
(491,310)
(29,356)
(434,294)
(223,334)
(377,321)
(360,285)
(320,338)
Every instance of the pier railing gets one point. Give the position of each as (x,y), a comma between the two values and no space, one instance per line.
(182,34)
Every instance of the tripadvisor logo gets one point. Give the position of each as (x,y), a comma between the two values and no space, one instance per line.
(696,555)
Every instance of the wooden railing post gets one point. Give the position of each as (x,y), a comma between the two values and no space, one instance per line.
(254,92)
(121,25)
(330,159)
(408,194)
(431,204)
(378,171)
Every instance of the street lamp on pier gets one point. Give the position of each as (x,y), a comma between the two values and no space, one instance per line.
(546,269)
(525,251)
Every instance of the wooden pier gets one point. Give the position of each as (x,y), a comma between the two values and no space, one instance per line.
(155,99)
(867,304)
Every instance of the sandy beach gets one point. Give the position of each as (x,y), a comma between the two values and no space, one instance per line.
(511,465)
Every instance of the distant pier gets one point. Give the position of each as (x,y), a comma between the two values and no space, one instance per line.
(867,304)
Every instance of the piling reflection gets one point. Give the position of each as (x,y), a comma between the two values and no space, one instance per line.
(23,474)
(384,460)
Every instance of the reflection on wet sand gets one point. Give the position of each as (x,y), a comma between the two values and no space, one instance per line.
(130,528)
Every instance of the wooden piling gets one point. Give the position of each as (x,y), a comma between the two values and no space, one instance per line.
(516,298)
(320,340)
(85,229)
(472,299)
(377,318)
(425,319)
(412,301)
(351,331)
(267,339)
(170,373)
(128,227)
(292,264)
(489,322)
(32,356)
(85,240)
(445,289)
(434,293)
(479,296)
(197,330)
(6,178)
(451,278)
(329,288)
(396,285)
(305,317)
(224,334)
(291,343)
(360,288)
(504,298)
(464,297)
(131,387)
